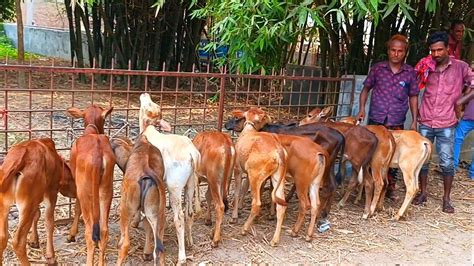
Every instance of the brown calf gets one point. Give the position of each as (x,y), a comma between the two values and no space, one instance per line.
(143,190)
(360,148)
(32,172)
(307,164)
(217,162)
(92,165)
(260,155)
(411,151)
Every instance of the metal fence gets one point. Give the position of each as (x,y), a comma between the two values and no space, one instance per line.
(34,99)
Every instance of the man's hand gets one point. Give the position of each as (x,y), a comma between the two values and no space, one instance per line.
(413,126)
(459,110)
(360,116)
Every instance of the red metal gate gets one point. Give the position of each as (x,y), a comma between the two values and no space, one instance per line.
(34,105)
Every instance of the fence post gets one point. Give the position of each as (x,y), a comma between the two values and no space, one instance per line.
(220,110)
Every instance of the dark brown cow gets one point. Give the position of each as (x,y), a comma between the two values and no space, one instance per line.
(360,148)
(32,172)
(92,165)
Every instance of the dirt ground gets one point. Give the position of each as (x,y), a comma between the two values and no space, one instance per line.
(426,236)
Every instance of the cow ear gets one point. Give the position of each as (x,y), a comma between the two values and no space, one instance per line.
(75,112)
(268,118)
(314,112)
(165,126)
(238,113)
(327,111)
(107,112)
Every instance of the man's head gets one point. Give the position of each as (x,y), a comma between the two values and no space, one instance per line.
(457,30)
(397,48)
(438,43)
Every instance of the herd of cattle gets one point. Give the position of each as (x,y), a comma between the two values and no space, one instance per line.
(304,152)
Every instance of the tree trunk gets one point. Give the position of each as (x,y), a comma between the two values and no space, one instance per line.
(72,35)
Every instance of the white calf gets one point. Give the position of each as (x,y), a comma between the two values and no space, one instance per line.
(181,159)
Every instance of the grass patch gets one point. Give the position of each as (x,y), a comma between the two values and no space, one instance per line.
(7,49)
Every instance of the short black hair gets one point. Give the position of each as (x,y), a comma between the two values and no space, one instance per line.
(455,22)
(439,36)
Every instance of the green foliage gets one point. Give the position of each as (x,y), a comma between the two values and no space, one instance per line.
(259,31)
(7,10)
(7,49)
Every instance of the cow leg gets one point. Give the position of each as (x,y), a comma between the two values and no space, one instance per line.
(27,211)
(148,254)
(281,209)
(189,194)
(360,190)
(105,193)
(290,194)
(126,211)
(33,240)
(255,185)
(369,191)
(302,193)
(243,191)
(378,175)
(208,221)
(49,222)
(411,183)
(75,222)
(237,190)
(197,193)
(315,208)
(215,190)
(4,210)
(352,184)
(178,217)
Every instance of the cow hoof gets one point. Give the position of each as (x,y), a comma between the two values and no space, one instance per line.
(243,232)
(273,243)
(34,244)
(365,216)
(396,218)
(51,261)
(308,238)
(147,257)
(233,221)
(293,234)
(134,224)
(340,205)
(71,239)
(214,244)
(208,222)
(182,261)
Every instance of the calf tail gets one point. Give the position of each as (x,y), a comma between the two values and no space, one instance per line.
(145,182)
(96,232)
(281,182)
(229,169)
(11,167)
(95,208)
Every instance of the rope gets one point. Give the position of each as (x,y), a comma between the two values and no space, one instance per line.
(189,132)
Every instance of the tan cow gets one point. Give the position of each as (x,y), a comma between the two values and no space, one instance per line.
(260,155)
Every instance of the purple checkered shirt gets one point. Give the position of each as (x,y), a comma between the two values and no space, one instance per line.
(389,103)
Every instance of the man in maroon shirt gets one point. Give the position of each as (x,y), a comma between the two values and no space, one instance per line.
(437,117)
(455,38)
(393,84)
